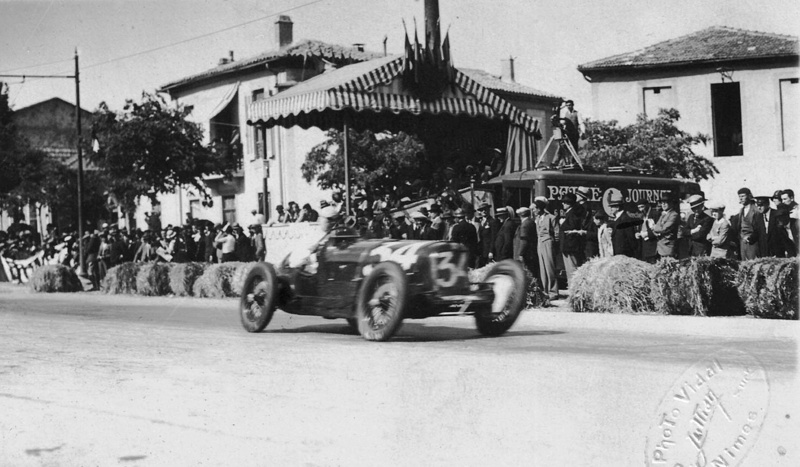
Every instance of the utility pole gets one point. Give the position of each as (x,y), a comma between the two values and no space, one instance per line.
(80,163)
(433,35)
(76,77)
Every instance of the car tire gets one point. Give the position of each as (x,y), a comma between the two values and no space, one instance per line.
(510,288)
(381,303)
(259,294)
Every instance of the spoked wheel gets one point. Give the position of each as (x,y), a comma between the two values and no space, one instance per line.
(259,294)
(381,304)
(509,286)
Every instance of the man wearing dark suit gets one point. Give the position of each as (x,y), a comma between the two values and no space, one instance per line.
(787,199)
(788,242)
(648,242)
(504,241)
(571,239)
(698,224)
(623,233)
(488,228)
(422,227)
(464,233)
(666,229)
(743,226)
(588,228)
(770,236)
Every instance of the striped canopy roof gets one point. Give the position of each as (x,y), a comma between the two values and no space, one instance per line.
(372,88)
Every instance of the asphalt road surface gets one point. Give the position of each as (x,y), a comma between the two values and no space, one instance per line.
(89,379)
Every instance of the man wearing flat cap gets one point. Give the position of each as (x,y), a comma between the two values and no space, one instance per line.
(666,228)
(743,226)
(699,225)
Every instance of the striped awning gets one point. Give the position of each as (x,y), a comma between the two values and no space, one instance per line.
(355,87)
(520,151)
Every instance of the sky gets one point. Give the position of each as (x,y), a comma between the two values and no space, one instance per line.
(129,46)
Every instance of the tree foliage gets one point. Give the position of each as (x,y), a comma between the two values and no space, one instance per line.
(24,168)
(655,144)
(149,148)
(379,163)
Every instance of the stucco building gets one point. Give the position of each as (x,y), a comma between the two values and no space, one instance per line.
(271,159)
(739,87)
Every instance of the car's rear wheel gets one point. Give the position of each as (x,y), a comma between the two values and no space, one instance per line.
(259,294)
(381,303)
(509,286)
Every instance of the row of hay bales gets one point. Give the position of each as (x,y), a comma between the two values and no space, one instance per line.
(152,279)
(764,288)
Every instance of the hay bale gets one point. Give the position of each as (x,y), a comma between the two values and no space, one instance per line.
(478,274)
(617,284)
(699,286)
(769,287)
(121,279)
(237,281)
(153,279)
(182,277)
(54,278)
(216,281)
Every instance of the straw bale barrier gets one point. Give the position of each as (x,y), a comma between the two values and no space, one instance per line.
(239,275)
(216,281)
(54,278)
(153,279)
(182,277)
(698,286)
(618,284)
(769,287)
(121,279)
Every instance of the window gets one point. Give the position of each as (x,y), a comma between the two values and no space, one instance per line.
(726,112)
(260,150)
(656,98)
(194,208)
(229,209)
(258,94)
(790,101)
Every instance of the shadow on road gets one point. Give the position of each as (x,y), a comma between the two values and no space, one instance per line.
(412,332)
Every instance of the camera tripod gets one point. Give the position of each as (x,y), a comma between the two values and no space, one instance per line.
(563,142)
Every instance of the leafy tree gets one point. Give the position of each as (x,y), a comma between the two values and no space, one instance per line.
(149,148)
(656,145)
(380,163)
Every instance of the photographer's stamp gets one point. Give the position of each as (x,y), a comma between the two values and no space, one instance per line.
(712,414)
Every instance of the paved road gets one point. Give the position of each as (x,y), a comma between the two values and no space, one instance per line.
(89,379)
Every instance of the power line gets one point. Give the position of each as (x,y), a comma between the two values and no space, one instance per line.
(36,66)
(200,36)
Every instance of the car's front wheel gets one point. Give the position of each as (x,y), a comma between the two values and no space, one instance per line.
(259,294)
(510,287)
(381,303)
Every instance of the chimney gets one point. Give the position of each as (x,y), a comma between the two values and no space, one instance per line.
(359,46)
(230,54)
(283,31)
(507,73)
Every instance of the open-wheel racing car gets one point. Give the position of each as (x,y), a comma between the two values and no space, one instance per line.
(376,284)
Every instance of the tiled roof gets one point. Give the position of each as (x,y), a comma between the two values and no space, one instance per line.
(332,52)
(711,45)
(495,83)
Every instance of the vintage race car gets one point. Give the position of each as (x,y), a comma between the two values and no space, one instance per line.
(376,284)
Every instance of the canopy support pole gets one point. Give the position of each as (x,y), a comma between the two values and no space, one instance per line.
(346,170)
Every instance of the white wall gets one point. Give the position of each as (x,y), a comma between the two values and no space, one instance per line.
(764,167)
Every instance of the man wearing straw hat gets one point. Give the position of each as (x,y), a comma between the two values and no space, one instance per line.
(698,224)
(546,235)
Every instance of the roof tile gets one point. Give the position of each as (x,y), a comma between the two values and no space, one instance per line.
(714,44)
